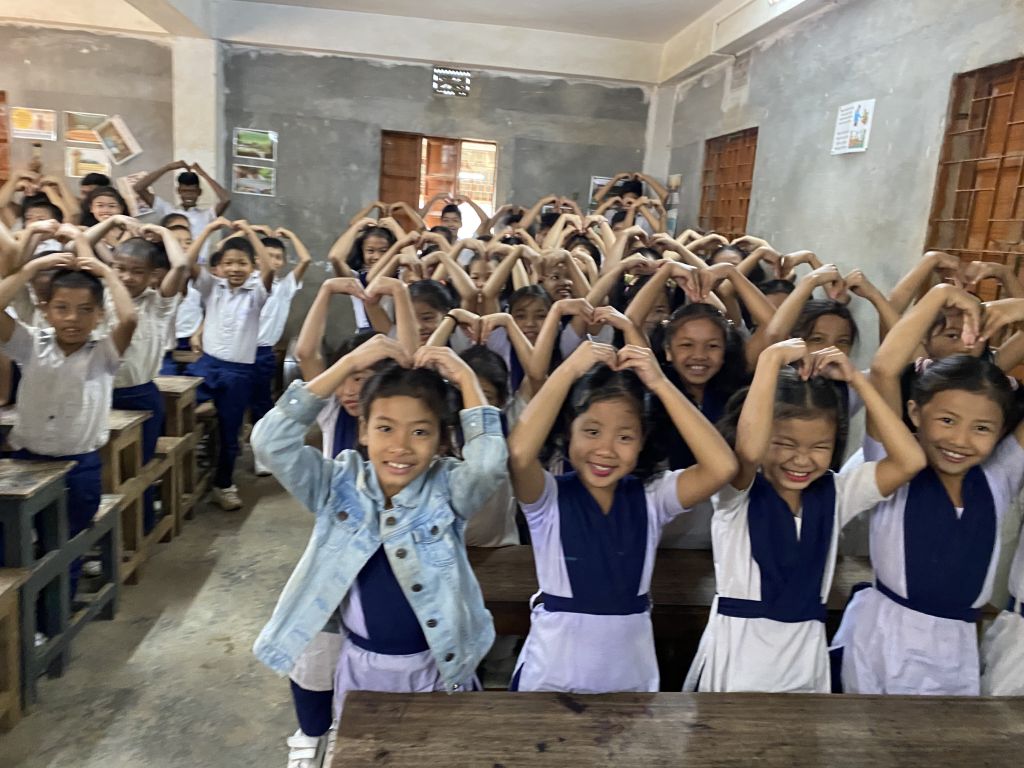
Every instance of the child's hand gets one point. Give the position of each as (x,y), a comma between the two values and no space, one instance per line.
(445,362)
(999,314)
(47,227)
(643,363)
(609,315)
(151,229)
(788,352)
(66,232)
(489,322)
(94,266)
(195,341)
(579,307)
(469,321)
(380,347)
(639,265)
(858,284)
(61,260)
(750,241)
(831,363)
(347,285)
(263,229)
(382,285)
(689,280)
(242,226)
(947,266)
(219,223)
(590,353)
(959,299)
(977,271)
(827,275)
(365,223)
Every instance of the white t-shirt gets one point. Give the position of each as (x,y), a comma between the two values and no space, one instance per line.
(141,361)
(198,218)
(232,316)
(274,314)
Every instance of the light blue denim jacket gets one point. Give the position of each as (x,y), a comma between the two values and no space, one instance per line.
(422,535)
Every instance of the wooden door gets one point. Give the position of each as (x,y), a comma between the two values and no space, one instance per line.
(727,182)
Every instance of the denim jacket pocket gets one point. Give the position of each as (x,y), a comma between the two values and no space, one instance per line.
(435,538)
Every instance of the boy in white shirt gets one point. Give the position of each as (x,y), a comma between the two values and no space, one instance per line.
(67,376)
(233,304)
(135,261)
(273,318)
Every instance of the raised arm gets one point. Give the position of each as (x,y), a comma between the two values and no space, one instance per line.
(127,318)
(308,346)
(301,252)
(409,211)
(659,189)
(535,210)
(142,186)
(911,283)
(408,330)
(223,196)
(785,317)
(260,250)
(342,247)
(859,285)
(177,276)
(547,337)
(11,285)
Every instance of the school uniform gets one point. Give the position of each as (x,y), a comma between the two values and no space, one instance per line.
(134,389)
(273,317)
(773,573)
(62,410)
(590,623)
(229,355)
(187,319)
(1002,648)
(198,220)
(914,632)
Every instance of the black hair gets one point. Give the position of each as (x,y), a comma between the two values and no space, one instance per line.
(756,275)
(180,227)
(355,256)
(41,201)
(444,232)
(816,308)
(88,219)
(435,295)
(970,374)
(73,279)
(215,258)
(769,287)
(528,293)
(548,219)
(273,242)
(630,186)
(139,248)
(349,345)
(733,373)
(601,383)
(618,217)
(422,384)
(452,208)
(582,241)
(488,366)
(797,399)
(188,179)
(166,220)
(235,244)
(95,180)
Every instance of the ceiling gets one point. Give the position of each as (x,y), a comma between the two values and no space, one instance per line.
(653,21)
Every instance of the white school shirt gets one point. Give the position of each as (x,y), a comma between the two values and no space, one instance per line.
(198,218)
(896,650)
(764,655)
(1002,648)
(141,361)
(63,400)
(189,315)
(232,316)
(274,314)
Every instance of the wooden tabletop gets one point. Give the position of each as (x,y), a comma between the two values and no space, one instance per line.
(677,729)
(682,577)
(118,421)
(21,479)
(12,578)
(177,385)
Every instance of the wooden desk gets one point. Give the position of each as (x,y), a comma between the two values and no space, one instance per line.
(682,589)
(179,396)
(11,580)
(677,729)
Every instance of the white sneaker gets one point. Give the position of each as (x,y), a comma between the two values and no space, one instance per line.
(227,498)
(92,568)
(332,737)
(305,751)
(40,640)
(259,469)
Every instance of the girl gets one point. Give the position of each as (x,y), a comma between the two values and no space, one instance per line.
(776,526)
(935,543)
(1002,652)
(595,530)
(387,546)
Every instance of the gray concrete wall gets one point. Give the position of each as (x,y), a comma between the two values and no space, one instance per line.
(868,209)
(84,72)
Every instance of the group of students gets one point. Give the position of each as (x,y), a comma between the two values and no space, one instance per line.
(598,387)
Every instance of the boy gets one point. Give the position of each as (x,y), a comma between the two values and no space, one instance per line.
(233,302)
(135,262)
(272,319)
(67,376)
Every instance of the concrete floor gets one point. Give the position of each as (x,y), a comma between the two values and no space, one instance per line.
(172,680)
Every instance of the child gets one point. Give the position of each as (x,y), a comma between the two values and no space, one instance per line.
(595,530)
(230,332)
(67,377)
(388,540)
(273,316)
(776,526)
(189,192)
(134,263)
(935,543)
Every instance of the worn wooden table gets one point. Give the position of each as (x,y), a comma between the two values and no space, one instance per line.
(677,729)
(682,589)
(179,397)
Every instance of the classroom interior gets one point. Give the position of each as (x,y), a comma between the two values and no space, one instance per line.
(734,104)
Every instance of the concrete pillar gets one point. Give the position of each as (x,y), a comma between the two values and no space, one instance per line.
(658,143)
(198,105)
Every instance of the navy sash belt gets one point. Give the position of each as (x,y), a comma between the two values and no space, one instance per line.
(618,607)
(968,614)
(405,647)
(757,609)
(1013,605)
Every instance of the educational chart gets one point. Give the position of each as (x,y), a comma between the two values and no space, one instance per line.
(80,127)
(853,127)
(29,123)
(79,161)
(253,180)
(118,140)
(251,144)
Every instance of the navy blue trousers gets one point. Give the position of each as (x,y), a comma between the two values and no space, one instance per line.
(263,379)
(144,397)
(170,366)
(229,385)
(313,709)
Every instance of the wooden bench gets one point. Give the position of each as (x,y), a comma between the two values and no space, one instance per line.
(11,580)
(179,454)
(677,729)
(179,398)
(206,418)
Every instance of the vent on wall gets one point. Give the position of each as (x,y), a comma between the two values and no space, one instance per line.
(451,82)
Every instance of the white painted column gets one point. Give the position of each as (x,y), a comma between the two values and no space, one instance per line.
(658,141)
(197,106)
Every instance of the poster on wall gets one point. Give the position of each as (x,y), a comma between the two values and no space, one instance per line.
(80,127)
(853,127)
(255,145)
(126,186)
(29,123)
(596,182)
(118,140)
(253,180)
(78,161)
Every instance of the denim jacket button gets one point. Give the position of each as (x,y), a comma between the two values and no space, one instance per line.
(343,515)
(400,553)
(433,530)
(449,656)
(417,587)
(390,521)
(431,623)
